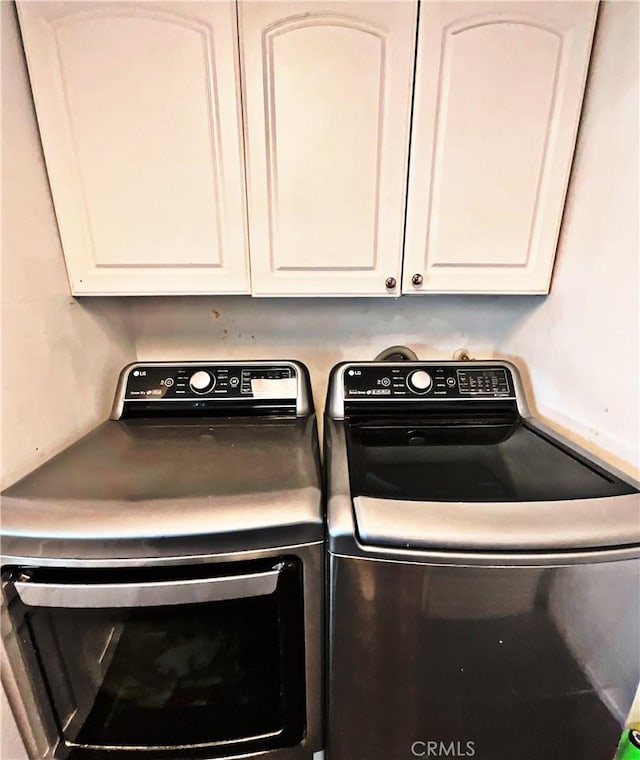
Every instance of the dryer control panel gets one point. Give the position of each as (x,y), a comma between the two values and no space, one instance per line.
(165,388)
(424,380)
(211,381)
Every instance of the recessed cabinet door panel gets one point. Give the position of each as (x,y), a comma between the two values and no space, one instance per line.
(138,106)
(327,101)
(498,96)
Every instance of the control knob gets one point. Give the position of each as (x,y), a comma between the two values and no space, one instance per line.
(201,381)
(420,381)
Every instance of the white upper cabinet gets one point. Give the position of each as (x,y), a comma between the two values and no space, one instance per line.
(184,140)
(139,111)
(327,98)
(498,94)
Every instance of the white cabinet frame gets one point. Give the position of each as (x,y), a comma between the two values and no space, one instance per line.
(115,86)
(498,95)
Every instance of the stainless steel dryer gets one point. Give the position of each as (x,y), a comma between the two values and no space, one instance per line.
(483,572)
(162,578)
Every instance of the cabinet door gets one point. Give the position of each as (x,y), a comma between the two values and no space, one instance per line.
(498,94)
(139,112)
(327,94)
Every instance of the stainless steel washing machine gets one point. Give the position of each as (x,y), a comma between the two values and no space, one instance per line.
(483,572)
(162,579)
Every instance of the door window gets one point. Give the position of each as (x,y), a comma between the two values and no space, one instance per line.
(188,676)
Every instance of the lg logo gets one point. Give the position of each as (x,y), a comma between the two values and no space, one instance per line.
(443,749)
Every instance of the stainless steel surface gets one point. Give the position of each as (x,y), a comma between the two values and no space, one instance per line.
(343,537)
(335,396)
(37,723)
(195,559)
(458,622)
(304,399)
(146,493)
(431,653)
(195,591)
(142,489)
(37,730)
(500,527)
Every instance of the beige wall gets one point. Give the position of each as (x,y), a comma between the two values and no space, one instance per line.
(582,343)
(578,347)
(11,746)
(318,331)
(583,347)
(60,356)
(591,315)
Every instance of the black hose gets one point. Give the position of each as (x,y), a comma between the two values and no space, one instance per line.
(397,353)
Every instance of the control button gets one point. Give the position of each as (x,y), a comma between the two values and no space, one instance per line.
(234,381)
(168,382)
(451,381)
(386,382)
(201,381)
(419,381)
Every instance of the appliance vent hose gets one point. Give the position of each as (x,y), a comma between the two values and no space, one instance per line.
(397,353)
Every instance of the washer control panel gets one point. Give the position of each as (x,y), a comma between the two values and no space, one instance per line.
(386,381)
(190,382)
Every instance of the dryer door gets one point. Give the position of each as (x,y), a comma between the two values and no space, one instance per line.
(203,661)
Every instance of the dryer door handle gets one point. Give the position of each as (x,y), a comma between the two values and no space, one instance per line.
(190,591)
